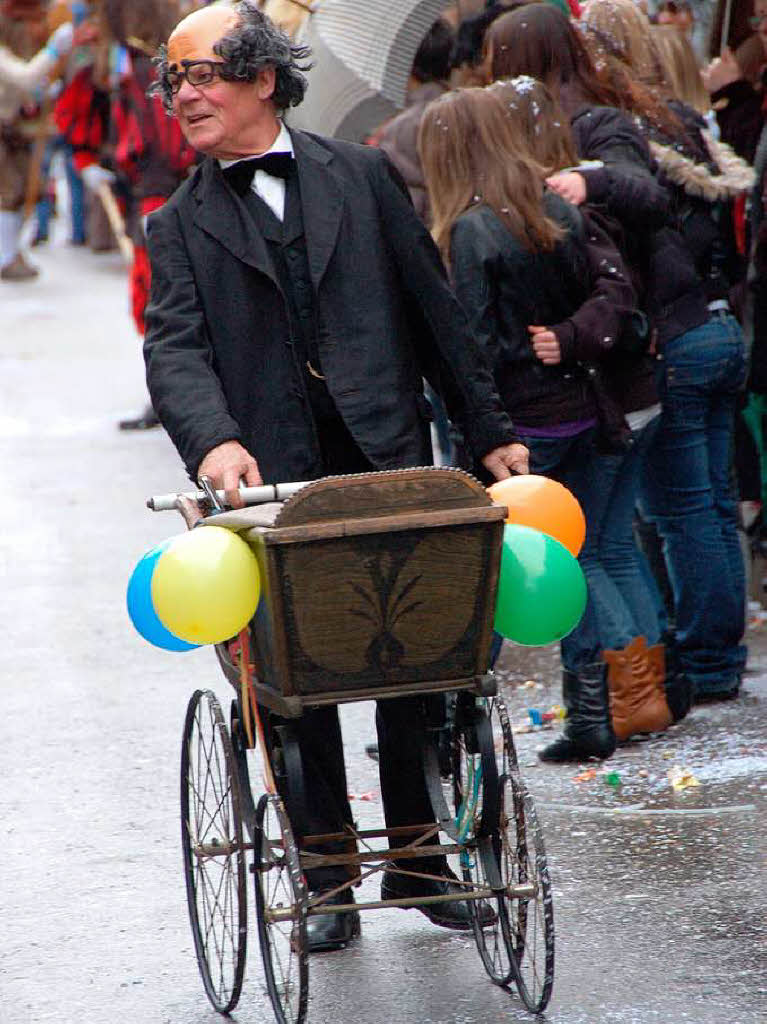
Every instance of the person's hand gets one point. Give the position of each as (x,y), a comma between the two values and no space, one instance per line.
(226,465)
(87,32)
(545,345)
(94,175)
(60,42)
(571,185)
(722,71)
(507,459)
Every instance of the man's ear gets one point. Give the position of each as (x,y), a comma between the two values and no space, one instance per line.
(265,83)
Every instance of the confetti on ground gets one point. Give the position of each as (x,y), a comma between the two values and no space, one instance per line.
(682,778)
(585,776)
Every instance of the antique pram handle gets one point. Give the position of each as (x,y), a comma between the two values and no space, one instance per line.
(249,495)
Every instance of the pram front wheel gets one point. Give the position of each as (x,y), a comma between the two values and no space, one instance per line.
(281,906)
(212,844)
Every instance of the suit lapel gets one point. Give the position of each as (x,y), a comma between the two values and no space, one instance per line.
(322,202)
(223,215)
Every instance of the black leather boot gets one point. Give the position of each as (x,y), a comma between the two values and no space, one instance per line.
(588,730)
(679,688)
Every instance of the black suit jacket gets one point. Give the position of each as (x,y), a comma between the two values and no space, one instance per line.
(220,363)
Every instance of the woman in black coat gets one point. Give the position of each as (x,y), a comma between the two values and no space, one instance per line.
(545,308)
(624,604)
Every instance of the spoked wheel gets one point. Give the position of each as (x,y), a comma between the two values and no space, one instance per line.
(281,905)
(518,947)
(214,860)
(524,866)
(480,852)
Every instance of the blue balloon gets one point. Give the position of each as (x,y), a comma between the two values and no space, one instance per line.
(140,607)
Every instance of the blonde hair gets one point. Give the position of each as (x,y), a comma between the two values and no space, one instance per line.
(680,68)
(470,155)
(537,116)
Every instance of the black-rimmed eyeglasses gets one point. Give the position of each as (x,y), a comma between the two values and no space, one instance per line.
(196,72)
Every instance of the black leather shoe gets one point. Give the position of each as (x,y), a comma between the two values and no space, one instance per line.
(717,696)
(332,931)
(448,915)
(145,420)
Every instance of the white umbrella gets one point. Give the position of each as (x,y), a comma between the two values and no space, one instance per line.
(363,53)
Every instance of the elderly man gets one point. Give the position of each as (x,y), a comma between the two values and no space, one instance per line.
(297,302)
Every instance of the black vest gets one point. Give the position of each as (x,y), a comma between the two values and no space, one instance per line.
(286,244)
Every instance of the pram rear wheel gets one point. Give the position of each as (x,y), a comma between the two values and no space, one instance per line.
(281,906)
(504,852)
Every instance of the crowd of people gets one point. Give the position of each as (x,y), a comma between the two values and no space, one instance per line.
(587,189)
(596,197)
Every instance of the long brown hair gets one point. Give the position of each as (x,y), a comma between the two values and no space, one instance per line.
(537,116)
(540,41)
(471,155)
(619,37)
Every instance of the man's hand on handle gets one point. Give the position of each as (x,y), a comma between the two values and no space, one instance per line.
(507,459)
(226,465)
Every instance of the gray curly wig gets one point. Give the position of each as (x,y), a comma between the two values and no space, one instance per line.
(255,43)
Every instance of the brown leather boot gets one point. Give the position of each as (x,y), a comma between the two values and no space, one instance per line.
(637,698)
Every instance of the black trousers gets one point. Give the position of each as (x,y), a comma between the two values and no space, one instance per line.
(323,806)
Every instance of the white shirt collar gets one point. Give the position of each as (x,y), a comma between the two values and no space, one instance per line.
(282,144)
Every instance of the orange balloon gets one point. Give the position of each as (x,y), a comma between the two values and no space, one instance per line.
(544,505)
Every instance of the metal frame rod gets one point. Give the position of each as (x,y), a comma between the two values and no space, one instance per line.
(285,914)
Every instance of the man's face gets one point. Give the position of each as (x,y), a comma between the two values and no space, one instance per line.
(218,118)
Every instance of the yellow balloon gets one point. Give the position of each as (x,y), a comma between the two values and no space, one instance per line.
(206,585)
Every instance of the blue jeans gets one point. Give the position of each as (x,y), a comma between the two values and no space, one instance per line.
(573,461)
(76,192)
(624,601)
(687,492)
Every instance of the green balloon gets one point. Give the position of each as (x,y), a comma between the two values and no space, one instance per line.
(541,588)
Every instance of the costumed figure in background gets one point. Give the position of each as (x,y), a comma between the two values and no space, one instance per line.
(25,69)
(148,149)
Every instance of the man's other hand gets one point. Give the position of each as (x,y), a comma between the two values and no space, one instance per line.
(226,465)
(507,459)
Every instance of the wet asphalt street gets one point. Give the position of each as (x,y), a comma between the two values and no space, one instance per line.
(659,894)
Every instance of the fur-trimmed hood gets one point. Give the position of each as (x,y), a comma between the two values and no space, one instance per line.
(698,179)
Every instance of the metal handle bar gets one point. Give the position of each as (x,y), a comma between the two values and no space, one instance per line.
(249,495)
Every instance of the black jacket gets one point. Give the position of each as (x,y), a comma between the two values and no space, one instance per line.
(220,363)
(702,177)
(505,288)
(627,189)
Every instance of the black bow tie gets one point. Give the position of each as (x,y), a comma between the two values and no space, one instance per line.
(240,175)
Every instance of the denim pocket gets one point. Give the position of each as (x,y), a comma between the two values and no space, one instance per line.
(709,358)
